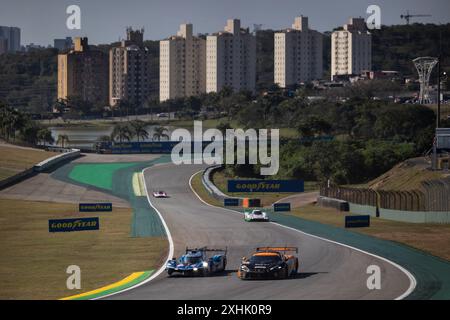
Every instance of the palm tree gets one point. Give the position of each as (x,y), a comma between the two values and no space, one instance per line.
(45,135)
(62,140)
(104,138)
(122,132)
(160,133)
(139,129)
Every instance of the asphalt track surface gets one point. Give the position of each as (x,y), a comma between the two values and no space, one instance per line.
(326,270)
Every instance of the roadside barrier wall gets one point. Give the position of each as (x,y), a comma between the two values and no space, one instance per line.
(40,167)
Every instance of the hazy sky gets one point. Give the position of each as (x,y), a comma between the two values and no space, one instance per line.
(104,21)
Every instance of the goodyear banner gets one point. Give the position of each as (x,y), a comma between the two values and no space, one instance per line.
(357,221)
(282,206)
(265,186)
(77,224)
(230,202)
(164,147)
(94,207)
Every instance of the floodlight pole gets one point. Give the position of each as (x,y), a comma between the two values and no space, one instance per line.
(438,116)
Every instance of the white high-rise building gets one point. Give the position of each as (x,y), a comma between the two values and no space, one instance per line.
(231,59)
(351,49)
(297,54)
(182,65)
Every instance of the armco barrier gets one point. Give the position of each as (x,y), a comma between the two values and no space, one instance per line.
(58,159)
(210,187)
(340,205)
(40,167)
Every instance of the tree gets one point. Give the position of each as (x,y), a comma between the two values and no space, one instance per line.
(160,132)
(45,135)
(312,126)
(62,140)
(139,130)
(104,139)
(122,132)
(61,105)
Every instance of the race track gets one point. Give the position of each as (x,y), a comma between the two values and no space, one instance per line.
(326,270)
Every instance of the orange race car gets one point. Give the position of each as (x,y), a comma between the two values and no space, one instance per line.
(269,262)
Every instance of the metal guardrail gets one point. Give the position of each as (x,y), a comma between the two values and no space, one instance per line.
(209,185)
(47,163)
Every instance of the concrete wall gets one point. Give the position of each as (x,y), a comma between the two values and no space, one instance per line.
(403,216)
(40,167)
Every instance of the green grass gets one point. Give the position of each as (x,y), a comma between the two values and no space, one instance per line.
(405,176)
(14,160)
(33,262)
(97,174)
(197,185)
(431,238)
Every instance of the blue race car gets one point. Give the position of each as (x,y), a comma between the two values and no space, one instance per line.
(198,261)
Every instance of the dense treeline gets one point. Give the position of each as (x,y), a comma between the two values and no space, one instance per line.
(348,142)
(16,126)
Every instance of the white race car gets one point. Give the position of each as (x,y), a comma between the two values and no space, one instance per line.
(255,215)
(159,194)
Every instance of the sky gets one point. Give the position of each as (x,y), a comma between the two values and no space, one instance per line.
(104,21)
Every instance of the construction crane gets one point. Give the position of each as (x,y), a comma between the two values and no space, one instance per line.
(408,16)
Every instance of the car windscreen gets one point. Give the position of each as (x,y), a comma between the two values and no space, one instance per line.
(265,259)
(257,212)
(192,260)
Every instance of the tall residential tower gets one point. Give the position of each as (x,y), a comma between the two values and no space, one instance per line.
(182,66)
(83,73)
(351,49)
(297,54)
(9,39)
(231,59)
(131,71)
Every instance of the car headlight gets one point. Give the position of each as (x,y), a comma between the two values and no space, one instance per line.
(195,269)
(205,264)
(245,268)
(274,268)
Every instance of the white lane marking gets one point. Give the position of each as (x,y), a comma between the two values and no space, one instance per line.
(412,279)
(171,246)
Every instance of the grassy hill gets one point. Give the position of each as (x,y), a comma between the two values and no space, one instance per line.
(406,175)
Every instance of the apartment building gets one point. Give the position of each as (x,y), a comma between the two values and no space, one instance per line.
(231,59)
(297,54)
(83,72)
(351,49)
(9,39)
(63,44)
(182,65)
(131,72)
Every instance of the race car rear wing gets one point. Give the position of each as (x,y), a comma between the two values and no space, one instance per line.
(206,249)
(284,249)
